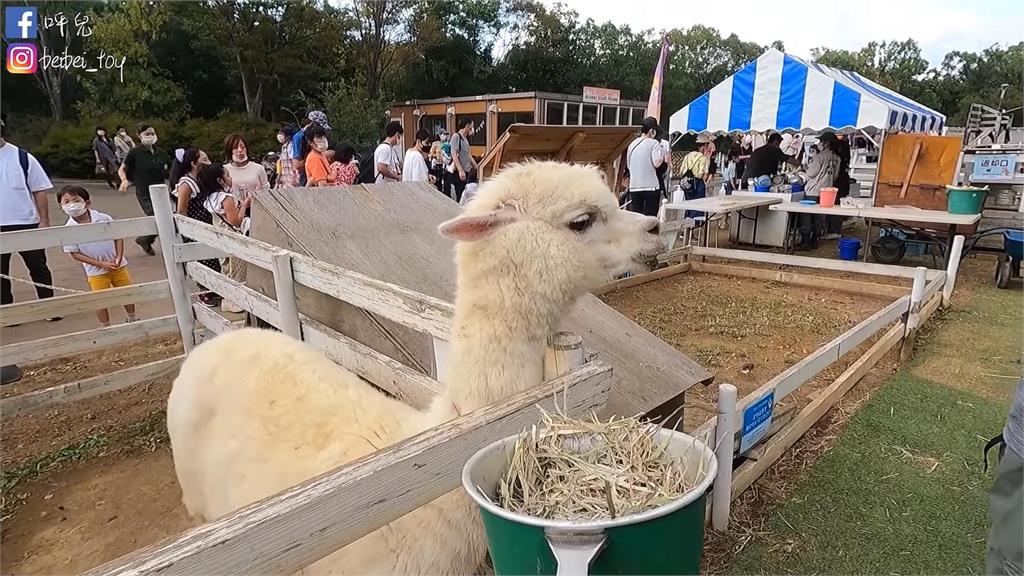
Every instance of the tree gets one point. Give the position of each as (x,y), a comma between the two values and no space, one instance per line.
(381,26)
(274,46)
(145,90)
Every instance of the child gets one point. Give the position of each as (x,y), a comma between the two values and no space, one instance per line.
(103,260)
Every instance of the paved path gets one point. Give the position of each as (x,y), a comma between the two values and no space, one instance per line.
(68,273)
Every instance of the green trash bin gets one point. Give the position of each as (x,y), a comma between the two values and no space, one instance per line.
(665,540)
(965,199)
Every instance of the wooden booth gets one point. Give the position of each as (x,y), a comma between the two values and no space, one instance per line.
(496,112)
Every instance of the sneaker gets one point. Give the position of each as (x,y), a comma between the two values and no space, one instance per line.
(830,236)
(130,320)
(55,319)
(209,299)
(147,247)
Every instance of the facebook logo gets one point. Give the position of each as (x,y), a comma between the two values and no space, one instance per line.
(20,23)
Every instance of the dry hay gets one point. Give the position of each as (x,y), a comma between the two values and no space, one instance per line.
(584,470)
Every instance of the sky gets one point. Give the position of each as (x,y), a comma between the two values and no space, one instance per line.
(939,26)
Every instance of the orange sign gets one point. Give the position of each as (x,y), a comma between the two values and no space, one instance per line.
(600,95)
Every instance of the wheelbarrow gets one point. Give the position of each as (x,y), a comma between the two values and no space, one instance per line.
(1009,261)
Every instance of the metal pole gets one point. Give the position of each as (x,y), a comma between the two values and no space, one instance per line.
(721,494)
(177,281)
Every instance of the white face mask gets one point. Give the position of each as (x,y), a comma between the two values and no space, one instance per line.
(239,157)
(148,139)
(73,209)
(281,138)
(321,144)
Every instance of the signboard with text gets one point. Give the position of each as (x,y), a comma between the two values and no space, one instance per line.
(600,95)
(756,419)
(993,167)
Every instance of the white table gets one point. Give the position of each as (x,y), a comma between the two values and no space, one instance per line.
(889,214)
(725,204)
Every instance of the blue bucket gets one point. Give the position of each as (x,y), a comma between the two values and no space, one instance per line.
(849,248)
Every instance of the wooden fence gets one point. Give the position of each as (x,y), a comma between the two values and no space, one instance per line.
(87,340)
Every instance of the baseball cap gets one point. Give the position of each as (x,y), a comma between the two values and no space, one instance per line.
(703,139)
(320,118)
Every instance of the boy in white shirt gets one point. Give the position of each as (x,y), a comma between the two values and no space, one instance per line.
(415,167)
(103,260)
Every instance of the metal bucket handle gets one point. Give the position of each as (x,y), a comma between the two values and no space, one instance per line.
(574,551)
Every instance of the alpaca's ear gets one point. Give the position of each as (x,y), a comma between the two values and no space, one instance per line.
(475,227)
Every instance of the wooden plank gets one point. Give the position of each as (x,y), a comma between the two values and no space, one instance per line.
(74,391)
(293,529)
(775,447)
(564,151)
(420,312)
(390,375)
(211,320)
(64,235)
(809,262)
(910,169)
(249,249)
(391,235)
(641,279)
(86,340)
(822,282)
(193,251)
(806,369)
(32,310)
(934,284)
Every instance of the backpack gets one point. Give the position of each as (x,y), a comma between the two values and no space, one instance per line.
(366,169)
(23,160)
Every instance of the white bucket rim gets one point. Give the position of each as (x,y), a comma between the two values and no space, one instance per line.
(584,526)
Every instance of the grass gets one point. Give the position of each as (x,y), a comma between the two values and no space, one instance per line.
(902,491)
(145,434)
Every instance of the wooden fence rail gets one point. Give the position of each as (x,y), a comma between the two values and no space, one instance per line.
(282,534)
(54,236)
(22,312)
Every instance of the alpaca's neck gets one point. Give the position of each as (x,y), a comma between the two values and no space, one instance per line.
(498,337)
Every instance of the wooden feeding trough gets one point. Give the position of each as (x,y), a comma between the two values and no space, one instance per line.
(598,145)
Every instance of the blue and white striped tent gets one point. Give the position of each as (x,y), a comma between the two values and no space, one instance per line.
(787,94)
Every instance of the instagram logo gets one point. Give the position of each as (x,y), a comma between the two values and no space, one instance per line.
(22,58)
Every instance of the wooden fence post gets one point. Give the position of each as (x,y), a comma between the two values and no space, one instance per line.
(914,314)
(177,281)
(952,267)
(284,286)
(721,494)
(563,354)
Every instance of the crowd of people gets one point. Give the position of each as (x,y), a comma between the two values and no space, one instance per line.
(747,159)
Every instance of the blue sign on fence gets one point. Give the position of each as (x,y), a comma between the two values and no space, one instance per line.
(993,167)
(756,419)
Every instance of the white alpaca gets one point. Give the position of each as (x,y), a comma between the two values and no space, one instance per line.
(254,412)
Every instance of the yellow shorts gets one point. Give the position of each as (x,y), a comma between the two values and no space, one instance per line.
(115,278)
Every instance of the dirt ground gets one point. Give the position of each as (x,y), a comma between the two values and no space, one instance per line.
(744,331)
(91,481)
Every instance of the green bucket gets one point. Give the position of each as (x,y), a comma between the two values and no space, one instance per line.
(666,540)
(966,199)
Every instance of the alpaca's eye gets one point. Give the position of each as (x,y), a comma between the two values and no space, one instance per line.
(581,223)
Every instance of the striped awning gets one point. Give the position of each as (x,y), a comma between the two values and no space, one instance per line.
(787,94)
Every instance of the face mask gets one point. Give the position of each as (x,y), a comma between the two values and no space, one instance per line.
(282,138)
(239,157)
(148,139)
(321,145)
(73,209)
(101,133)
